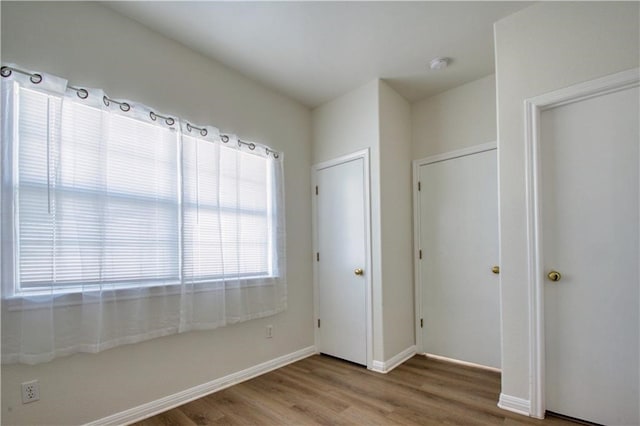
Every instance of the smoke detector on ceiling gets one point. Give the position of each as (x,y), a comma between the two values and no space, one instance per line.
(439,63)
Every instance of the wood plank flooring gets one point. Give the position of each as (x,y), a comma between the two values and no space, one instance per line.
(321,390)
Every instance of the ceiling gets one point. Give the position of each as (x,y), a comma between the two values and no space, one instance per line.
(316,51)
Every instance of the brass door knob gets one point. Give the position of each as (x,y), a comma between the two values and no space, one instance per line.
(495,269)
(554,276)
(358,272)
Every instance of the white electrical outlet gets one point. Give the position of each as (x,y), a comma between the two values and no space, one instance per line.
(30,391)
(269,331)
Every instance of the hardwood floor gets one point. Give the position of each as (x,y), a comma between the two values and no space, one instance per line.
(321,390)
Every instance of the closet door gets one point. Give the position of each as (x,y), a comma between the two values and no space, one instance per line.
(589,173)
(458,223)
(341,270)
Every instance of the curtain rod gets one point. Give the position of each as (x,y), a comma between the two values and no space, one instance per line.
(37,78)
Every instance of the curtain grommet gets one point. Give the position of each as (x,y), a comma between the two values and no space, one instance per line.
(202,130)
(169,120)
(36,78)
(82,93)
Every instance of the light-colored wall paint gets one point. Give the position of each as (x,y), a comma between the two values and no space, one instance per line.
(545,47)
(396,226)
(344,125)
(376,117)
(92,45)
(458,118)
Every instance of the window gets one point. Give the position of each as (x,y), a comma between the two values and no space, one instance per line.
(97,200)
(226,212)
(120,224)
(104,199)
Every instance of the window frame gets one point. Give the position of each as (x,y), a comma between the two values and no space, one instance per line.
(68,289)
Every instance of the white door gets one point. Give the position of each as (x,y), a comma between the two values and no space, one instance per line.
(341,250)
(458,209)
(589,168)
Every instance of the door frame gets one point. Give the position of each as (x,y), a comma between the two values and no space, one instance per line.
(364,155)
(417,269)
(535,272)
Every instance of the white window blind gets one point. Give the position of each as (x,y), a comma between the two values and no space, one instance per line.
(121,224)
(97,197)
(101,198)
(227,212)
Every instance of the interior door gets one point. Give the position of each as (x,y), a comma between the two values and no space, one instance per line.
(340,217)
(589,167)
(458,205)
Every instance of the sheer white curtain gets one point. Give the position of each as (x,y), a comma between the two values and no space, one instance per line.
(121,224)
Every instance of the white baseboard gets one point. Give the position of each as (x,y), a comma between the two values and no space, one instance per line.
(152,408)
(465,363)
(386,366)
(516,405)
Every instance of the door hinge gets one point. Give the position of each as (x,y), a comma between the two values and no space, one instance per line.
(318,257)
(419,188)
(318,322)
(421,323)
(316,189)
(420,253)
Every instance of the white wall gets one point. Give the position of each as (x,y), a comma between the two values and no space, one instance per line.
(540,49)
(344,125)
(458,118)
(396,225)
(376,117)
(93,46)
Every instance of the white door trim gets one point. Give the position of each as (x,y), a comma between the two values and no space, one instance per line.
(364,154)
(532,108)
(416,225)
